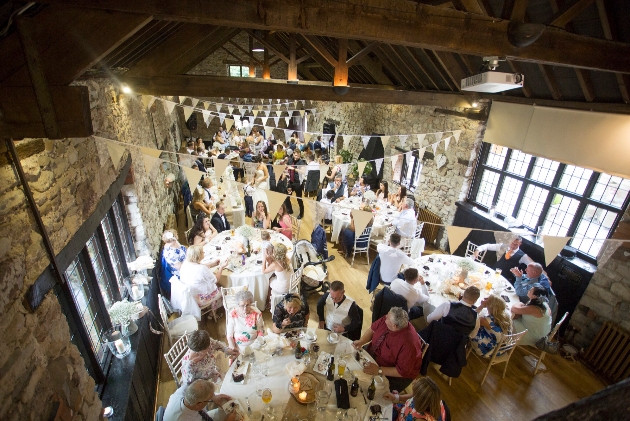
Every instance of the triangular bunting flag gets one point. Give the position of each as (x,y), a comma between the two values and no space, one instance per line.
(276,120)
(385,140)
(421,152)
(150,151)
(365,140)
(219,166)
(229,122)
(264,120)
(301,113)
(116,152)
(206,114)
(323,169)
(287,134)
(307,137)
(361,166)
(268,130)
(248,129)
(146,99)
(434,147)
(438,136)
(553,246)
(455,236)
(149,162)
(361,220)
(274,201)
(182,99)
(344,169)
(169,105)
(218,107)
(251,119)
(278,170)
(286,120)
(456,135)
(421,139)
(209,120)
(394,158)
(409,155)
(193,177)
(195,101)
(346,139)
(403,140)
(221,118)
(379,165)
(447,141)
(230,110)
(188,112)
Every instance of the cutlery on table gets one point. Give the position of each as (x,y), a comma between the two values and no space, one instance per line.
(249,409)
(362,394)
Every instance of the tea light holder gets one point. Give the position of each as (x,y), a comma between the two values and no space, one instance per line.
(117,343)
(295,385)
(135,286)
(302,396)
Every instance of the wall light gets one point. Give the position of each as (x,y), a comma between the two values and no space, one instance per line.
(125,88)
(475,104)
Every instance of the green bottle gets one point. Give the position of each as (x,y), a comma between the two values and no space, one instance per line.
(371,390)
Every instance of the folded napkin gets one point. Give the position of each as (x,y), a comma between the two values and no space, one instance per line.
(295,368)
(363,377)
(260,356)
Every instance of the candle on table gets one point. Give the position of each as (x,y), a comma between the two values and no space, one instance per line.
(134,292)
(295,384)
(302,396)
(120,346)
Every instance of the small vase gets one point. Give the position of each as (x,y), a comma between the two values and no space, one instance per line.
(129,328)
(463,275)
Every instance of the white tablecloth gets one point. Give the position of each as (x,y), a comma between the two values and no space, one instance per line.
(441,271)
(383,217)
(250,274)
(278,381)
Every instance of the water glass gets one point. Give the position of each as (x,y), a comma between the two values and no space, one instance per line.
(322,400)
(352,414)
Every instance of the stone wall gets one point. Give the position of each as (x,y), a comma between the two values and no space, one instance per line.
(438,189)
(38,363)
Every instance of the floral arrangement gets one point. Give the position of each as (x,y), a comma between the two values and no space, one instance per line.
(369,195)
(123,311)
(246,231)
(467,264)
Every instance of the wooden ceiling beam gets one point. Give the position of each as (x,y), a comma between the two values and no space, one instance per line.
(623,81)
(323,63)
(416,60)
(266,44)
(550,80)
(391,67)
(434,28)
(340,77)
(519,9)
(373,68)
(355,59)
(248,54)
(321,49)
(292,67)
(473,6)
(194,56)
(569,12)
(210,86)
(452,67)
(406,66)
(437,66)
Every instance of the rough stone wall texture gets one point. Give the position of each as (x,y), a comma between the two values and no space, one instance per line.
(68,178)
(438,189)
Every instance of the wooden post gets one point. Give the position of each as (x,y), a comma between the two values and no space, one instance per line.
(292,69)
(341,69)
(252,67)
(266,69)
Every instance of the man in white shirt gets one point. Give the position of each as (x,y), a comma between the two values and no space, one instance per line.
(326,204)
(513,257)
(406,222)
(189,401)
(414,289)
(460,315)
(392,258)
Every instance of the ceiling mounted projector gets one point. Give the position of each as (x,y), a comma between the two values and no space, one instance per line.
(492,82)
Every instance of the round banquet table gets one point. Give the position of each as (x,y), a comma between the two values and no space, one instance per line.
(384,214)
(223,246)
(278,381)
(441,271)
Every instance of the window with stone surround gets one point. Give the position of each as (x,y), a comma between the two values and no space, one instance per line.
(238,71)
(410,171)
(564,199)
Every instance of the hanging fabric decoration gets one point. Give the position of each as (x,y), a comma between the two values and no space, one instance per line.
(552,246)
(379,164)
(264,120)
(503,238)
(607,250)
(421,139)
(287,134)
(193,177)
(323,169)
(438,136)
(251,119)
(146,99)
(205,114)
(307,137)
(218,106)
(221,118)
(248,129)
(403,140)
(182,99)
(301,113)
(361,166)
(230,110)
(149,162)
(150,151)
(447,141)
(209,120)
(275,200)
(276,120)
(116,152)
(268,130)
(278,170)
(188,112)
(219,166)
(229,123)
(456,135)
(434,146)
(385,141)
(455,236)
(195,101)
(168,107)
(365,140)
(286,120)
(346,139)
(361,220)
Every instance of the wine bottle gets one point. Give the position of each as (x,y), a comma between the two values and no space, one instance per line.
(371,390)
(330,375)
(298,351)
(354,389)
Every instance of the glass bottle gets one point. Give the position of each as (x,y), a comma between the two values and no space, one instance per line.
(298,351)
(371,393)
(354,389)
(330,375)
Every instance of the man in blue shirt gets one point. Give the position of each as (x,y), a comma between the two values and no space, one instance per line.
(534,276)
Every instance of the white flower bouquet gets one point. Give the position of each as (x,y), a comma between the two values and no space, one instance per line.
(467,264)
(246,231)
(123,311)
(369,195)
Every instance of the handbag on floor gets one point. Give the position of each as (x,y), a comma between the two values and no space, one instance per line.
(544,344)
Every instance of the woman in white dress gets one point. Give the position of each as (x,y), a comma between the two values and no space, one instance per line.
(261,182)
(279,264)
(535,316)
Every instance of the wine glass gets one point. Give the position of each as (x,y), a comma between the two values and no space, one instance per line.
(266,398)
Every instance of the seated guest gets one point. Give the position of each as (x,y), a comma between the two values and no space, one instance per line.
(424,403)
(396,199)
(279,264)
(523,284)
(290,313)
(414,289)
(513,257)
(392,258)
(199,361)
(188,403)
(260,218)
(197,282)
(279,154)
(190,146)
(336,312)
(348,235)
(206,185)
(383,191)
(202,232)
(535,316)
(282,222)
(173,252)
(244,322)
(405,223)
(219,221)
(460,315)
(327,205)
(265,245)
(339,188)
(396,348)
(360,187)
(491,327)
(199,208)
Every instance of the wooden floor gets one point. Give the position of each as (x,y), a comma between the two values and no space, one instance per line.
(519,396)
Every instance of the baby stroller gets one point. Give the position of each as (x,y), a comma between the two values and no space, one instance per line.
(313,267)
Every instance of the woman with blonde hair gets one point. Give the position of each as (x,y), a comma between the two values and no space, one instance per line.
(279,264)
(424,403)
(173,253)
(491,327)
(198,207)
(290,313)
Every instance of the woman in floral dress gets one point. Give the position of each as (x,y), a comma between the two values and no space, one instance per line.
(244,322)
(200,362)
(423,404)
(173,252)
(491,327)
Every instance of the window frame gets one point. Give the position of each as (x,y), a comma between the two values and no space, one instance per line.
(417,166)
(241,67)
(553,189)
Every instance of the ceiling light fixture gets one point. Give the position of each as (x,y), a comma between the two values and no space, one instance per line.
(125,88)
(475,104)
(258,48)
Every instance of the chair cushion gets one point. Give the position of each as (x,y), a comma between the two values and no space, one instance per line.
(179,326)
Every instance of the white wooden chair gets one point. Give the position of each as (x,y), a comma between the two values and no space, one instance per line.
(174,358)
(295,229)
(189,218)
(294,288)
(536,356)
(363,238)
(229,298)
(501,354)
(375,241)
(175,329)
(405,245)
(470,252)
(210,310)
(419,227)
(187,233)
